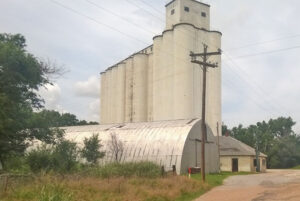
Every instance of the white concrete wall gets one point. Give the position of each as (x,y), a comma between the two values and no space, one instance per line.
(150,88)
(128,90)
(102,97)
(140,88)
(245,163)
(120,93)
(194,16)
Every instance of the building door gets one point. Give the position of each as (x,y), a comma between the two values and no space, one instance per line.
(235,165)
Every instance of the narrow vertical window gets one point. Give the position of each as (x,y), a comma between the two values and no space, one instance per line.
(203,14)
(172,11)
(186,9)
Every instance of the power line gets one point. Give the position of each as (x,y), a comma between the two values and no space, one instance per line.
(148,4)
(159,18)
(119,16)
(268,52)
(216,47)
(264,42)
(96,21)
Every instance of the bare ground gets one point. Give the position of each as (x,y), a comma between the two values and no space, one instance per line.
(275,185)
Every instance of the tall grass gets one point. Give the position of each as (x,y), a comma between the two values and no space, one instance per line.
(140,169)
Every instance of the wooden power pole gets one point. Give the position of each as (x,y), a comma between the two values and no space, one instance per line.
(205,64)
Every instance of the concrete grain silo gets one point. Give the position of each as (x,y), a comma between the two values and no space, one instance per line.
(120,93)
(128,89)
(160,82)
(102,97)
(140,88)
(150,88)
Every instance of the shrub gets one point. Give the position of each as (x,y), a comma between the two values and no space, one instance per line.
(40,159)
(15,164)
(65,156)
(91,150)
(61,158)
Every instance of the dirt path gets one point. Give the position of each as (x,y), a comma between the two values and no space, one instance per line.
(276,185)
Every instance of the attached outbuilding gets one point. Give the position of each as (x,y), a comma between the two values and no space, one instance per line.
(235,156)
(175,143)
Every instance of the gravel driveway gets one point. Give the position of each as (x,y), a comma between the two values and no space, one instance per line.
(275,185)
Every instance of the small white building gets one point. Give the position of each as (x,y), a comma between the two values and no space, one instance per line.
(166,143)
(236,156)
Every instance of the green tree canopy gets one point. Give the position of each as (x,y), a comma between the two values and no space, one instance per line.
(275,138)
(21,75)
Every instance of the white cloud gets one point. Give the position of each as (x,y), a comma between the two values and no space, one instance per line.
(89,88)
(52,95)
(93,114)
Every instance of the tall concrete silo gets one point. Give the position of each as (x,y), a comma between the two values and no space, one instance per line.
(120,93)
(128,89)
(140,87)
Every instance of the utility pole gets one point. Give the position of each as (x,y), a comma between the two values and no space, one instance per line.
(257,153)
(218,139)
(205,64)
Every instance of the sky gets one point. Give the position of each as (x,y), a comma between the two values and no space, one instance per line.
(260,43)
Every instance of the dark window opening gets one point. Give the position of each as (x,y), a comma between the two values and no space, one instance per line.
(203,14)
(254,162)
(187,9)
(172,11)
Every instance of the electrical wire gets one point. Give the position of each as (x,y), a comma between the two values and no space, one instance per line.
(267,52)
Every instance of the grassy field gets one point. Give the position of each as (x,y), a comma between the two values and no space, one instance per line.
(86,188)
(296,168)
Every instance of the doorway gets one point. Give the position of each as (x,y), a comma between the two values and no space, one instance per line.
(235,165)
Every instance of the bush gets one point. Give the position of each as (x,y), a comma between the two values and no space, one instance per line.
(91,150)
(16,164)
(61,158)
(65,156)
(40,159)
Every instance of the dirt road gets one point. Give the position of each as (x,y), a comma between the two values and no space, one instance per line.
(275,185)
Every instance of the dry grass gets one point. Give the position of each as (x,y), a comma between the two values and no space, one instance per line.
(76,188)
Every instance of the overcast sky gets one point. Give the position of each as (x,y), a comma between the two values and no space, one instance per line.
(87,36)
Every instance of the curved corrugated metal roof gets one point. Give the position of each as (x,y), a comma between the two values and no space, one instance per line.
(161,142)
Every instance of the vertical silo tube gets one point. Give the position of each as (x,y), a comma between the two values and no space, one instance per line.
(114,83)
(150,87)
(140,64)
(214,79)
(102,98)
(183,72)
(108,96)
(128,90)
(120,93)
(167,76)
(157,79)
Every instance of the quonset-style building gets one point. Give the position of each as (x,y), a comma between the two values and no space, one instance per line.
(165,143)
(151,101)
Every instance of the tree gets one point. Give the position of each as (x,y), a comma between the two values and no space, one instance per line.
(21,75)
(116,147)
(91,150)
(55,119)
(275,138)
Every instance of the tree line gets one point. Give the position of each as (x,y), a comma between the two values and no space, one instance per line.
(275,137)
(21,76)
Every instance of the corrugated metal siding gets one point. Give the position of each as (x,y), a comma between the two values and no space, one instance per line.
(160,142)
